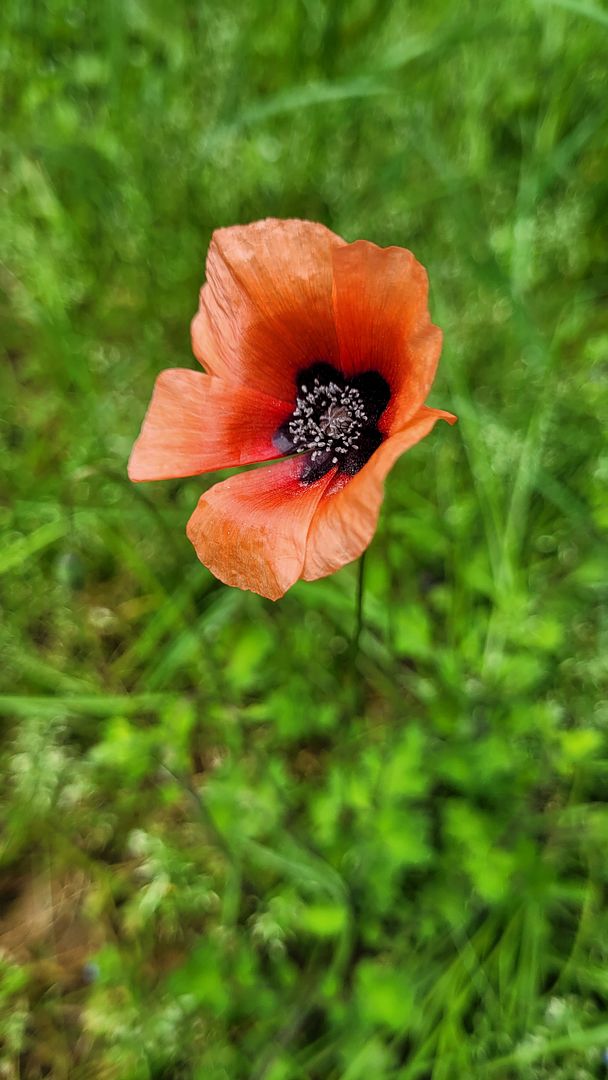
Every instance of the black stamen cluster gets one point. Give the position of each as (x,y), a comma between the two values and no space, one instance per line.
(334,423)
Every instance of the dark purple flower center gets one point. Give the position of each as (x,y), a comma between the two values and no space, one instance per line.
(335,420)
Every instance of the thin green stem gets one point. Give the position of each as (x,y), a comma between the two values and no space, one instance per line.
(359,604)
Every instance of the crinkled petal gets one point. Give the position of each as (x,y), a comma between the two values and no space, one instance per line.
(266,310)
(250,530)
(196,423)
(347,515)
(383,324)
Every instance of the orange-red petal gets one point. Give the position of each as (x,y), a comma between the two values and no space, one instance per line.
(347,515)
(196,423)
(266,310)
(383,323)
(250,530)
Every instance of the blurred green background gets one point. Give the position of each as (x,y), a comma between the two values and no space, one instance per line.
(228,850)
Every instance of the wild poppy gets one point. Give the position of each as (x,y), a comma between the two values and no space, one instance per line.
(318,353)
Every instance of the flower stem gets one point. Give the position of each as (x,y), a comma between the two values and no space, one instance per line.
(359,605)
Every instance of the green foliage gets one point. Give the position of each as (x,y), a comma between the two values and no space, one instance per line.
(235,851)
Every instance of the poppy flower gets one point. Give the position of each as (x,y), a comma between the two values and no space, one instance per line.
(318,355)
